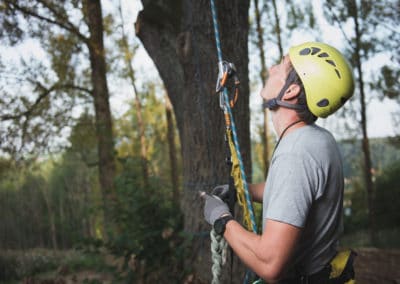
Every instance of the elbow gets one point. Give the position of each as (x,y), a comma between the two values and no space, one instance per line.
(271,273)
(270,277)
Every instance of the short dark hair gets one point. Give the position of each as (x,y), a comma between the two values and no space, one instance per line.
(304,113)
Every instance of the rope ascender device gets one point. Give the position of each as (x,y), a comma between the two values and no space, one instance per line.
(227,71)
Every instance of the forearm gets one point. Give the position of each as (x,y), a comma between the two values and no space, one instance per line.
(249,248)
(268,254)
(257,191)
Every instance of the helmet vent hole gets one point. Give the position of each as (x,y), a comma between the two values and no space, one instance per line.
(305,51)
(323,54)
(338,74)
(331,62)
(315,50)
(323,103)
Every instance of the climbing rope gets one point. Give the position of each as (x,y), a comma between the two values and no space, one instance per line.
(227,70)
(219,248)
(225,105)
(239,183)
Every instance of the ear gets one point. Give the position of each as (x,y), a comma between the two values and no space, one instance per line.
(292,92)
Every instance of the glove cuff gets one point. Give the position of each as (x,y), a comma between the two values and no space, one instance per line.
(220,224)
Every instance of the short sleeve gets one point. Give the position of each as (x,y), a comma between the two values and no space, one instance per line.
(290,189)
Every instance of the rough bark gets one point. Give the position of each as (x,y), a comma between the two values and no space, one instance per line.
(102,108)
(179,37)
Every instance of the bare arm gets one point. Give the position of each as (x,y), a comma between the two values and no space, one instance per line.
(268,254)
(257,191)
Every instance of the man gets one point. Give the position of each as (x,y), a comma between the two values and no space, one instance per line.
(303,193)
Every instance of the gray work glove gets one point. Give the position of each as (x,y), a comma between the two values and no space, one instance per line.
(222,191)
(214,208)
(226,194)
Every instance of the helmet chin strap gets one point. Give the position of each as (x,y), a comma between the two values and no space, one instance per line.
(277,102)
(273,104)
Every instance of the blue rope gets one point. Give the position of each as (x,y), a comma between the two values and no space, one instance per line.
(233,127)
(216,30)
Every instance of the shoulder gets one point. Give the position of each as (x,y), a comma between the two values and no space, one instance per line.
(310,140)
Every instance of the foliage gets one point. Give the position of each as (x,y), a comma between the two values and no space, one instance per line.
(40,94)
(72,193)
(387,15)
(149,224)
(23,208)
(388,197)
(128,138)
(55,202)
(371,34)
(386,238)
(16,265)
(383,153)
(357,218)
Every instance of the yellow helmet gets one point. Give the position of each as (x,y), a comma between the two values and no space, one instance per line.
(326,76)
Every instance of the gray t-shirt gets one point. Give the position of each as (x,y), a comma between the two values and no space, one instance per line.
(304,188)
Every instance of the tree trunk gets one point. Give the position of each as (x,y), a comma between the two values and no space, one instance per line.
(179,37)
(143,144)
(62,223)
(263,78)
(51,213)
(102,110)
(86,230)
(278,29)
(138,105)
(365,140)
(173,156)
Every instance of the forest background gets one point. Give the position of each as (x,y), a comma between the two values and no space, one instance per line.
(110,126)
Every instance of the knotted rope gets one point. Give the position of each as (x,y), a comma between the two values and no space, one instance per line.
(218,248)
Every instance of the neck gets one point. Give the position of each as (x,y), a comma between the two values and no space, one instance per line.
(283,120)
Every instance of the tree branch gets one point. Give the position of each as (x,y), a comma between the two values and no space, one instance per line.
(336,19)
(46,92)
(66,26)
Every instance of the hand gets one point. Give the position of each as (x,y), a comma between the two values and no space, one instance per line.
(227,193)
(222,191)
(214,208)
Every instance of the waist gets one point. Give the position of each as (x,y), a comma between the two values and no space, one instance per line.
(320,277)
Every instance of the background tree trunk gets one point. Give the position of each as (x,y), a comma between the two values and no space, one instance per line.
(127,55)
(102,108)
(367,167)
(51,15)
(179,37)
(173,158)
(51,213)
(263,78)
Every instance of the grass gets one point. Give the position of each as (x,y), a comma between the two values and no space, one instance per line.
(16,265)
